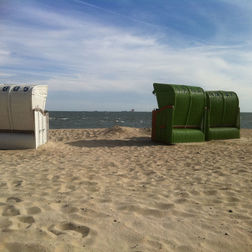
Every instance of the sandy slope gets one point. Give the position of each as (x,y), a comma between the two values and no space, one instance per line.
(115,190)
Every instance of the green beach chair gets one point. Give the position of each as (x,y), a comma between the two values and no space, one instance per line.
(180,116)
(223,115)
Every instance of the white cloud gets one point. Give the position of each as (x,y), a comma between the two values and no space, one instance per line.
(83,55)
(246,4)
(5,75)
(4,55)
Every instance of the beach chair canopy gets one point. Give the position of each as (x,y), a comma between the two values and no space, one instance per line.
(24,122)
(180,117)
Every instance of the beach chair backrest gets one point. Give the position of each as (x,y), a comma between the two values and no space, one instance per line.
(223,107)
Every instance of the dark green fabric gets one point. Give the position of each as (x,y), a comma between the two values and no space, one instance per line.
(223,115)
(223,133)
(223,107)
(165,94)
(187,135)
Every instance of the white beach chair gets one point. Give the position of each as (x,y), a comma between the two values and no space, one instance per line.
(24,123)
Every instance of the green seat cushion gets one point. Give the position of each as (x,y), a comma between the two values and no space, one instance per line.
(223,133)
(187,135)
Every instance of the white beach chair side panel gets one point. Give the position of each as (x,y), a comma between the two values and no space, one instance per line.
(41,129)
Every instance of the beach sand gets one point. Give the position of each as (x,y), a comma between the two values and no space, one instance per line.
(115,190)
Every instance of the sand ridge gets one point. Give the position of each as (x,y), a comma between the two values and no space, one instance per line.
(115,190)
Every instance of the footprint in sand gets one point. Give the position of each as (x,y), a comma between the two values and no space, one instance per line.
(17,183)
(69,209)
(181,201)
(10,210)
(165,206)
(33,210)
(53,230)
(13,199)
(83,230)
(78,228)
(27,219)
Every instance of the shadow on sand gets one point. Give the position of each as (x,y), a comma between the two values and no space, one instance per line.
(137,141)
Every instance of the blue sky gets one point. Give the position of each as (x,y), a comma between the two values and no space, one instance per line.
(105,54)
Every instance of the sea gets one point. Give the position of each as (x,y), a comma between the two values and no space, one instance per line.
(97,119)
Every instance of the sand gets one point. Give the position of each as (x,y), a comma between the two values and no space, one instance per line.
(115,190)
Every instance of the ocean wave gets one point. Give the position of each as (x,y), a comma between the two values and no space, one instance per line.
(63,118)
